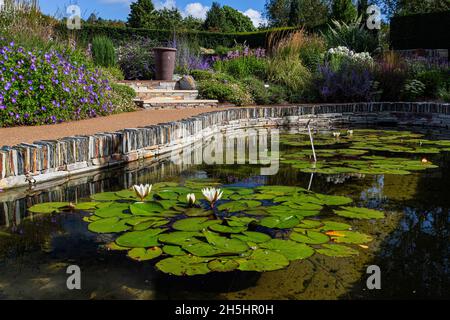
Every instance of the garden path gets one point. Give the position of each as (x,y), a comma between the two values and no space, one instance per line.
(16,135)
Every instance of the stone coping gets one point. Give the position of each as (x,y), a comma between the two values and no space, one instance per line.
(58,159)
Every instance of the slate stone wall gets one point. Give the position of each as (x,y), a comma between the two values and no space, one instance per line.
(51,160)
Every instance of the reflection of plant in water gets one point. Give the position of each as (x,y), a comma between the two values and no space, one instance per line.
(363,152)
(248,229)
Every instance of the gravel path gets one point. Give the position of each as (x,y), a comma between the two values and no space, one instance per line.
(16,135)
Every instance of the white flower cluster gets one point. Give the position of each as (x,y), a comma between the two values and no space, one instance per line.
(363,57)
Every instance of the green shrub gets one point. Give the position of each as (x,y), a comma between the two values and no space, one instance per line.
(444,94)
(103,52)
(434,80)
(313,52)
(122,98)
(413,90)
(243,67)
(290,73)
(113,73)
(225,91)
(265,94)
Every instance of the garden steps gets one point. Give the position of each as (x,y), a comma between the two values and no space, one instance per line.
(163,103)
(150,84)
(146,94)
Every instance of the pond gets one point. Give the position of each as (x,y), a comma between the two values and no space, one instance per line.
(309,231)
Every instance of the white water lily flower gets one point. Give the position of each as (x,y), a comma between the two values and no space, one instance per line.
(336,134)
(350,132)
(212,195)
(142,191)
(190,199)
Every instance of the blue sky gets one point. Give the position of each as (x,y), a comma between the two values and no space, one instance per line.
(119,9)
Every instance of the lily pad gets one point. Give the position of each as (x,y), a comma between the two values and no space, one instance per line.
(309,237)
(184,265)
(290,249)
(336,250)
(86,206)
(194,224)
(106,196)
(223,265)
(140,239)
(108,225)
(252,236)
(48,207)
(352,237)
(225,244)
(142,254)
(359,213)
(262,260)
(285,222)
(146,208)
(117,210)
(179,238)
(174,250)
(226,229)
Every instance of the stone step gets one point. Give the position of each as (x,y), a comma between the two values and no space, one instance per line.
(145,94)
(150,84)
(175,104)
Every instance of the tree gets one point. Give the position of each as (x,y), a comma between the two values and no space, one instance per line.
(343,10)
(92,19)
(277,12)
(227,19)
(308,13)
(191,23)
(166,19)
(141,13)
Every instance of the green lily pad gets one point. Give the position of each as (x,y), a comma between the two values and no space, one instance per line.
(140,239)
(336,250)
(334,226)
(86,206)
(239,221)
(202,249)
(142,254)
(108,225)
(179,238)
(223,265)
(106,196)
(290,249)
(262,260)
(184,265)
(309,237)
(173,250)
(333,200)
(308,224)
(241,205)
(194,224)
(48,207)
(359,213)
(227,245)
(285,222)
(115,247)
(146,208)
(117,210)
(226,229)
(252,236)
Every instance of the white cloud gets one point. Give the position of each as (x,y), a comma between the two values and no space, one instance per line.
(166,4)
(196,10)
(256,17)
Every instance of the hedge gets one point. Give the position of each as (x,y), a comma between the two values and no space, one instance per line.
(421,31)
(204,39)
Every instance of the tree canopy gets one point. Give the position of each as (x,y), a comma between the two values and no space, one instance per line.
(343,10)
(227,19)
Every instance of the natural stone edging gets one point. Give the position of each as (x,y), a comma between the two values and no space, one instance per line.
(50,160)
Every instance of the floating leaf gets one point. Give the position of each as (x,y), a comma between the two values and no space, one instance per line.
(290,249)
(48,207)
(142,254)
(146,208)
(108,225)
(86,205)
(227,245)
(174,250)
(223,265)
(285,222)
(336,226)
(309,224)
(179,238)
(202,249)
(106,196)
(117,210)
(184,265)
(226,229)
(194,224)
(251,236)
(336,250)
(198,212)
(262,260)
(359,213)
(309,237)
(241,205)
(140,239)
(239,221)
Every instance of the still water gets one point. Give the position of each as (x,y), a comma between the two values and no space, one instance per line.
(411,244)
